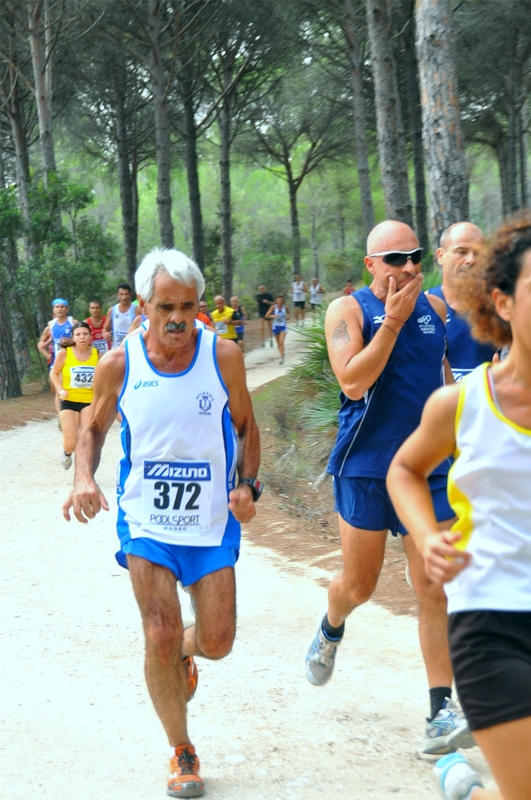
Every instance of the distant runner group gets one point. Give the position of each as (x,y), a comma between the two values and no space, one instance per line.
(433,445)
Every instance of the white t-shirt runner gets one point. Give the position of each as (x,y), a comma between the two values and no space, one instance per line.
(180,451)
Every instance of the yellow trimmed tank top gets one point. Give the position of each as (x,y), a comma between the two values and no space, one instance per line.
(489,488)
(78,376)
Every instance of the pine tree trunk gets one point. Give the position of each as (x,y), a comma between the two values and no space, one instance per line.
(126,174)
(414,117)
(9,376)
(39,39)
(295,228)
(315,249)
(442,136)
(162,125)
(512,156)
(192,173)
(391,140)
(524,188)
(360,119)
(225,198)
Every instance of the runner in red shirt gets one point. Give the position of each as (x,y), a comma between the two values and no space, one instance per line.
(96,321)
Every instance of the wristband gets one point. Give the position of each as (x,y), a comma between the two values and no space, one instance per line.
(385,325)
(257,487)
(397,319)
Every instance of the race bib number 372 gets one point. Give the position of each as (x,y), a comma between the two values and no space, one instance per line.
(176,496)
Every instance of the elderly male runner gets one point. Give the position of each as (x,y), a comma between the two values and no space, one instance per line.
(185,408)
(459,247)
(386,344)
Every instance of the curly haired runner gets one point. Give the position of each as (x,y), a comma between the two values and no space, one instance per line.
(485,559)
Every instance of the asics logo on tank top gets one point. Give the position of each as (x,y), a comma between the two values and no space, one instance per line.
(205,403)
(425,324)
(145,384)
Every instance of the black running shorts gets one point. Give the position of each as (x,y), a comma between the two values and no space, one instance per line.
(70,405)
(491,658)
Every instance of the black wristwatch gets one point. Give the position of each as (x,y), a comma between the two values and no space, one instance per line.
(256,485)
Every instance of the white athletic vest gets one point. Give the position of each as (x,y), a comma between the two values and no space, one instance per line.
(316,294)
(120,323)
(279,320)
(489,488)
(180,450)
(298,292)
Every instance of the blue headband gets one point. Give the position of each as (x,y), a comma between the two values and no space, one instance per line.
(59,301)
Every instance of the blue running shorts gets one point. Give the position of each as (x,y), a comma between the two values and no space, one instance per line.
(364,503)
(188,564)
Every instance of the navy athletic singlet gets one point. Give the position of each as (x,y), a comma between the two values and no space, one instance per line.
(463,352)
(372,429)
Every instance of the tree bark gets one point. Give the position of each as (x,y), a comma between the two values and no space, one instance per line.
(294,218)
(225,198)
(524,188)
(40,45)
(391,141)
(512,156)
(442,136)
(360,119)
(414,117)
(315,249)
(9,378)
(162,124)
(127,171)
(192,173)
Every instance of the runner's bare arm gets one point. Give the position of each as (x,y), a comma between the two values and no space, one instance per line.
(357,367)
(44,342)
(107,325)
(428,445)
(86,498)
(230,361)
(55,374)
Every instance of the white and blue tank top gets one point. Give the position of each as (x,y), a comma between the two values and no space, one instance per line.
(180,451)
(60,331)
(463,352)
(372,428)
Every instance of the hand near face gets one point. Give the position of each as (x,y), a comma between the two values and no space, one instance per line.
(401,303)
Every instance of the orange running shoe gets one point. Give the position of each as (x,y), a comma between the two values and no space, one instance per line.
(184,773)
(192,675)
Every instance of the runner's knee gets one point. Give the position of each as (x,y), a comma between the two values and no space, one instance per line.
(216,643)
(163,634)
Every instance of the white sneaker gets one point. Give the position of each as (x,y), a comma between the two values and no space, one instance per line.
(66,461)
(447,731)
(319,661)
(281,361)
(455,777)
(271,343)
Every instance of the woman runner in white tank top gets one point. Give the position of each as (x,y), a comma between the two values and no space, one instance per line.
(485,560)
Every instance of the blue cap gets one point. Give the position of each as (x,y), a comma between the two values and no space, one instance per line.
(59,301)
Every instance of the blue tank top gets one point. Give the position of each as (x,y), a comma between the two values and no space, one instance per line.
(372,429)
(59,332)
(463,352)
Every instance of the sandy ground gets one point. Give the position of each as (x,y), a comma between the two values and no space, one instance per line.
(77,718)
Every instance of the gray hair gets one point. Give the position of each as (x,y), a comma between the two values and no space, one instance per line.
(175,264)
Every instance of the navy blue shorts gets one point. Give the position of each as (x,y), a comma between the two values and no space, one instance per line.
(188,564)
(364,503)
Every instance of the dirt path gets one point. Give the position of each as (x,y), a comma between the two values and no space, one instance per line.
(77,719)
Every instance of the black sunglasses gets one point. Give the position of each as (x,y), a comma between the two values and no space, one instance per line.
(398,258)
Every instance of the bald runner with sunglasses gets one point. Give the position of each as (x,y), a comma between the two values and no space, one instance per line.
(386,344)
